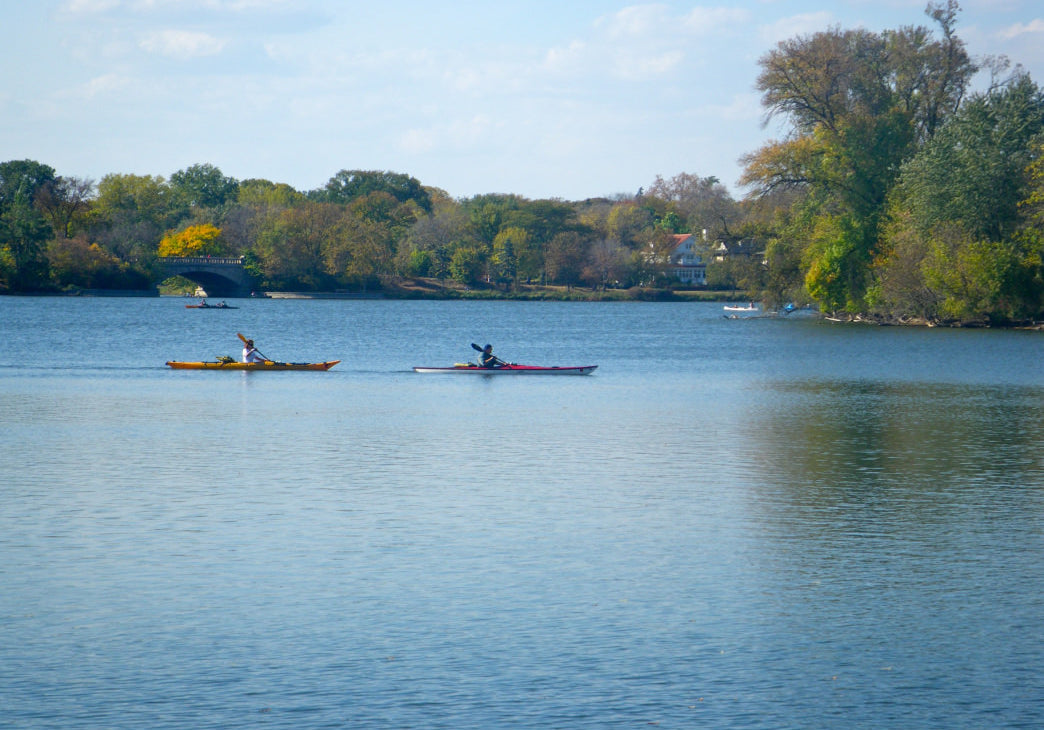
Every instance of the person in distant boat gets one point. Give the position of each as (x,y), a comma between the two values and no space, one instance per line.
(222,304)
(203,303)
(250,353)
(487,359)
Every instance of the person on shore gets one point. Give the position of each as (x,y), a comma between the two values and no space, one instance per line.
(250,353)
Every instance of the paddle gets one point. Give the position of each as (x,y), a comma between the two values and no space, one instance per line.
(495,358)
(240,336)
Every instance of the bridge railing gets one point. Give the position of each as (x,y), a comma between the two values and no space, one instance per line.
(236,260)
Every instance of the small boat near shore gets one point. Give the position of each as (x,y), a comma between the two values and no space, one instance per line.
(510,369)
(733,308)
(263,365)
(204,305)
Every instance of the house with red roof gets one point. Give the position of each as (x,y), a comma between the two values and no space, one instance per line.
(684,261)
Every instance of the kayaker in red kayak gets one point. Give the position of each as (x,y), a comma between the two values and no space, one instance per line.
(488,360)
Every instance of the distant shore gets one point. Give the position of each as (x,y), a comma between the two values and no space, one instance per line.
(444,289)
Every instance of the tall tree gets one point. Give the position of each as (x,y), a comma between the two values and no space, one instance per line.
(23,230)
(23,233)
(858,104)
(957,227)
(64,201)
(703,202)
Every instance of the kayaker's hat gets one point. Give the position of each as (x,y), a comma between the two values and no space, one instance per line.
(250,342)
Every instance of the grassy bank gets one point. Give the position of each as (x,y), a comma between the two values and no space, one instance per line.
(438,289)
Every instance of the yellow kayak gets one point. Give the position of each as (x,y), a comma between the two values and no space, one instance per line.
(266,365)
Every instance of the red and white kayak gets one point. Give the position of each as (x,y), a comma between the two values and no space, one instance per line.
(512,369)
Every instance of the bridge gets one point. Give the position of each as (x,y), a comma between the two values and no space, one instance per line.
(220,277)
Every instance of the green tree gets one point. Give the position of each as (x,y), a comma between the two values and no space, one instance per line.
(22,177)
(629,223)
(858,104)
(347,185)
(23,230)
(23,233)
(362,254)
(959,241)
(204,186)
(504,262)
(256,192)
(75,262)
(293,248)
(130,214)
(489,214)
(974,171)
(467,264)
(438,234)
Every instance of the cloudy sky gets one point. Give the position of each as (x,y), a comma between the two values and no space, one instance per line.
(565,99)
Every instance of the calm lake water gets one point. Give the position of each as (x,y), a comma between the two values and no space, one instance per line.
(765,523)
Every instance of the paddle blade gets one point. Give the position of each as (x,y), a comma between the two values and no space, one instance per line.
(240,336)
(476,347)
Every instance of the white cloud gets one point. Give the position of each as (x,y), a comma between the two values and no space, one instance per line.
(95,6)
(741,107)
(636,20)
(90,6)
(569,57)
(638,65)
(416,141)
(707,21)
(1034,26)
(182,44)
(796,25)
(103,85)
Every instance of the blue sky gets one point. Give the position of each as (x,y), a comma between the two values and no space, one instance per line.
(568,99)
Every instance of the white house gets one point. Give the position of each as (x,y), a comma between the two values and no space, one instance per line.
(685,264)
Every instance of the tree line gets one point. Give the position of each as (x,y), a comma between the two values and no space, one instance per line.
(362,229)
(897,193)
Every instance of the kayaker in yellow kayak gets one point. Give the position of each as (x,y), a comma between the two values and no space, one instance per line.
(250,353)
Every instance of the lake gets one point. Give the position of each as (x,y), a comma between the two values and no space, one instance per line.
(754,523)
